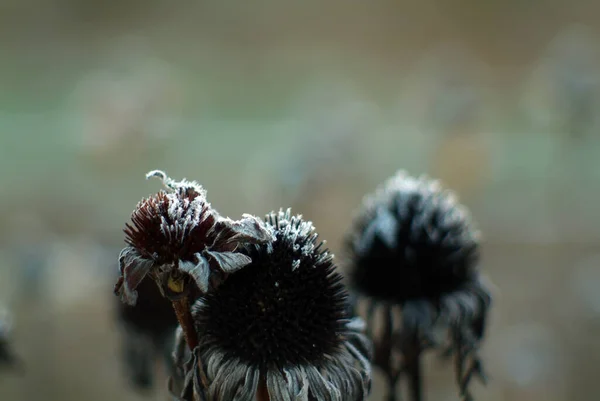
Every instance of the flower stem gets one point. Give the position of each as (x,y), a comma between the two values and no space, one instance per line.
(383,354)
(413,369)
(184,316)
(262,394)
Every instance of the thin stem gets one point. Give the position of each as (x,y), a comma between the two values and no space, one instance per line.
(413,369)
(385,352)
(184,316)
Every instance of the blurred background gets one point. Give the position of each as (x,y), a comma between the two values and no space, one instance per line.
(308,104)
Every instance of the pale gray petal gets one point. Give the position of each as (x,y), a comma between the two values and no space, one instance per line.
(340,375)
(279,388)
(386,227)
(181,350)
(200,272)
(134,268)
(229,379)
(359,340)
(299,384)
(249,229)
(229,262)
(213,358)
(361,381)
(248,390)
(319,387)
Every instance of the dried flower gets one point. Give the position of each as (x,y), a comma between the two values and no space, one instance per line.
(148,329)
(7,355)
(278,329)
(413,248)
(181,242)
(177,237)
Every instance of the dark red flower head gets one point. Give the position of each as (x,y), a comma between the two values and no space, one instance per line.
(178,238)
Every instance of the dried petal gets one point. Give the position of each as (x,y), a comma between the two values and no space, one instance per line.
(134,269)
(250,229)
(229,262)
(200,271)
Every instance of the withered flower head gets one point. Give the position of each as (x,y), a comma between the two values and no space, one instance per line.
(414,248)
(177,238)
(8,358)
(147,335)
(278,329)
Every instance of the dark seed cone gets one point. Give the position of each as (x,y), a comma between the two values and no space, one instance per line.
(281,321)
(414,252)
(182,243)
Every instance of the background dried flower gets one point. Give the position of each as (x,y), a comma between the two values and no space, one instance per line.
(279,327)
(8,357)
(414,253)
(147,335)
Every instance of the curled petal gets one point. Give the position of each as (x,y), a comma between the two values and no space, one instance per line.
(229,380)
(200,272)
(320,387)
(229,262)
(134,269)
(250,229)
(279,388)
(248,390)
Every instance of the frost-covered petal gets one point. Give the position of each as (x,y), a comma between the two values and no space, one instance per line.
(250,229)
(229,262)
(200,271)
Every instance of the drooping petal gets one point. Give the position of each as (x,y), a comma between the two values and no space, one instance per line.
(320,387)
(418,317)
(356,337)
(200,271)
(279,388)
(360,377)
(229,380)
(248,390)
(229,262)
(299,383)
(227,376)
(134,269)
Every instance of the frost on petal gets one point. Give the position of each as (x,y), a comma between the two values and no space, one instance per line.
(171,184)
(134,269)
(249,229)
(200,272)
(229,262)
